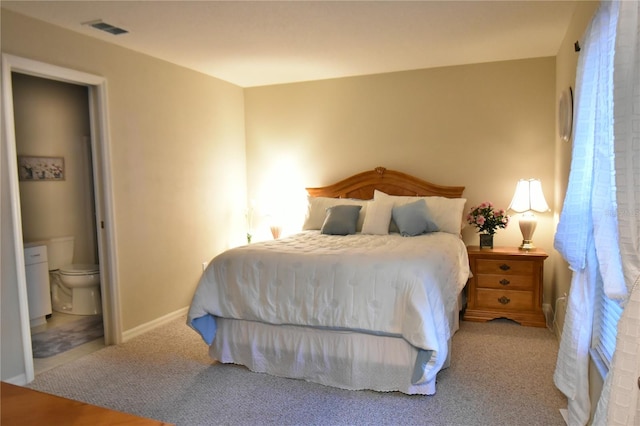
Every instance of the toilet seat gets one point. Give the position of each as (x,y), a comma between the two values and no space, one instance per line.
(80,269)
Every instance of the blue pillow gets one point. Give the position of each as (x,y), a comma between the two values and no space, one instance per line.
(341,220)
(413,219)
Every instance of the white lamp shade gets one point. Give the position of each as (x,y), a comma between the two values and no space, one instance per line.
(528,196)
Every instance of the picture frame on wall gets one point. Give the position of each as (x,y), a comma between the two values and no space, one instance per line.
(33,168)
(565,114)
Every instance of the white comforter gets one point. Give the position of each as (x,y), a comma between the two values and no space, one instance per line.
(390,285)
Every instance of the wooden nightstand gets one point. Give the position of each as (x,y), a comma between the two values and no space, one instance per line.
(506,283)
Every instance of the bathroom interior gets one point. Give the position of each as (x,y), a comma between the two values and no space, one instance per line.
(52,128)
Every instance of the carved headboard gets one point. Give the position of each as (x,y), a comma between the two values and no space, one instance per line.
(362,186)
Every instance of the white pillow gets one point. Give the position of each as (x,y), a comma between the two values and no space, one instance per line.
(445,212)
(317,211)
(378,217)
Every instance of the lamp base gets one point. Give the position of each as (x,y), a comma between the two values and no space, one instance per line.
(527,226)
(527,245)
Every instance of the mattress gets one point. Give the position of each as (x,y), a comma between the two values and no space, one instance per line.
(381,287)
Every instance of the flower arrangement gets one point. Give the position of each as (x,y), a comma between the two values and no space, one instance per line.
(486,219)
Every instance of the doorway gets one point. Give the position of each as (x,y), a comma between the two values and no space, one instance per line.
(99,139)
(52,127)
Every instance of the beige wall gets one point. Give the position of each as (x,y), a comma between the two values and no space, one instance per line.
(483,126)
(52,120)
(178,169)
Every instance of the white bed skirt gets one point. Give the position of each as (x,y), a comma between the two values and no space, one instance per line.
(342,359)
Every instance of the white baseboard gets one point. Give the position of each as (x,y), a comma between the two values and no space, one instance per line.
(565,415)
(19,380)
(557,330)
(560,312)
(141,329)
(548,315)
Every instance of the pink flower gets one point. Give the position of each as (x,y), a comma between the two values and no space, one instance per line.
(486,219)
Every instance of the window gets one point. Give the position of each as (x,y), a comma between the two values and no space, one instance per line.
(605,324)
(587,235)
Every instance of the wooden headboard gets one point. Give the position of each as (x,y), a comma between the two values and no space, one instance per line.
(362,186)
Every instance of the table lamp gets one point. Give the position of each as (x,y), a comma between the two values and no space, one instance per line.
(527,199)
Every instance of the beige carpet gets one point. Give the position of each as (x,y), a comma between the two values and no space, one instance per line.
(501,374)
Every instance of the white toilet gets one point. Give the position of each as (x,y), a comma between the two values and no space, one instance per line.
(75,288)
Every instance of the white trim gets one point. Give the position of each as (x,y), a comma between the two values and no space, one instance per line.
(19,380)
(548,315)
(44,70)
(141,329)
(557,330)
(104,205)
(106,213)
(16,218)
(561,308)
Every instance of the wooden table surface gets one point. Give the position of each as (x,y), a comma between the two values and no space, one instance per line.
(23,406)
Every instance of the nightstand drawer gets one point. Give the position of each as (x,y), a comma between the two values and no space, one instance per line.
(506,282)
(505,300)
(501,267)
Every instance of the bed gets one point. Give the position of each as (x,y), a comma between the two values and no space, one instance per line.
(366,302)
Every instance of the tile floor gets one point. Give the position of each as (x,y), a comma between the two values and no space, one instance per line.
(41,365)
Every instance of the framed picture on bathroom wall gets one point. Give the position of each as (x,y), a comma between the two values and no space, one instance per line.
(32,168)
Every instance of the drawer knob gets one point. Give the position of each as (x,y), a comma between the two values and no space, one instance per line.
(504,300)
(504,281)
(505,267)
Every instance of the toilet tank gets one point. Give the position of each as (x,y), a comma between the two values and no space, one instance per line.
(60,252)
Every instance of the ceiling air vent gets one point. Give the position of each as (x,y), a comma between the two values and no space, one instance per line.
(103,26)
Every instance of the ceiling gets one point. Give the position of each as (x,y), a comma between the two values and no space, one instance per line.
(256,43)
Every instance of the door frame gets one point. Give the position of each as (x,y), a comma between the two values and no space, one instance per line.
(103,190)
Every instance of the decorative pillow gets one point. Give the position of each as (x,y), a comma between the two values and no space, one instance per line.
(446,213)
(317,210)
(378,217)
(341,220)
(413,219)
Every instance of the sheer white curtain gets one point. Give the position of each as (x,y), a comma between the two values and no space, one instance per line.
(587,234)
(620,400)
